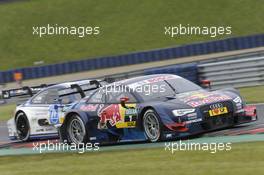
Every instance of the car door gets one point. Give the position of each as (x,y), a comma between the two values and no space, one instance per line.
(43,106)
(94,106)
(115,115)
(38,108)
(58,105)
(39,111)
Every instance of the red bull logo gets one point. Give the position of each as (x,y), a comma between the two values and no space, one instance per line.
(110,114)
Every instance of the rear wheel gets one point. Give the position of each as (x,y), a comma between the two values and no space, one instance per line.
(22,127)
(152,125)
(76,131)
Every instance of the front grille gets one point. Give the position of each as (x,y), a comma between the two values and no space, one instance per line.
(205,109)
(219,121)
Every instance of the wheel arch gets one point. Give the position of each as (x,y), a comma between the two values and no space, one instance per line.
(68,116)
(27,120)
(18,112)
(27,116)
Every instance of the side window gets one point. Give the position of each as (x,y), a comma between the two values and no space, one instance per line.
(114,97)
(52,95)
(97,97)
(40,98)
(70,98)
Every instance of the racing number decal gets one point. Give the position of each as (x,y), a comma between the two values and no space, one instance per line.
(129,116)
(117,116)
(56,114)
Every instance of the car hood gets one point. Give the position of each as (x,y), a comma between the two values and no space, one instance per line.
(199,98)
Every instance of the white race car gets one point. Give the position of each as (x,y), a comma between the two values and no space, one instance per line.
(34,119)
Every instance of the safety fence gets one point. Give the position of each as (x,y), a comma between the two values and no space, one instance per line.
(238,70)
(228,44)
(234,73)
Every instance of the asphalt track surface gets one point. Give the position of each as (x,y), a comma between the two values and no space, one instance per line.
(243,133)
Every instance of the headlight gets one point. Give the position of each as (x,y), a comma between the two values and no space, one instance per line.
(181,112)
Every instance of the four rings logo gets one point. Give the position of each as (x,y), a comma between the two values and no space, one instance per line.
(216,106)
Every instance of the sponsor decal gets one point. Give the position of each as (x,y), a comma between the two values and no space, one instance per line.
(39,130)
(239,106)
(49,129)
(216,106)
(196,96)
(192,116)
(90,107)
(168,135)
(193,121)
(56,114)
(218,111)
(110,114)
(131,111)
(93,138)
(40,113)
(201,98)
(207,100)
(117,116)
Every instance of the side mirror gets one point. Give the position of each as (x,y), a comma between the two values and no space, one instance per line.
(57,101)
(123,101)
(206,84)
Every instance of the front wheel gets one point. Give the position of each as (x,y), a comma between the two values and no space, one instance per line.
(76,130)
(22,127)
(152,125)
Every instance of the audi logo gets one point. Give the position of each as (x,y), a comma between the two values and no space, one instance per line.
(217,105)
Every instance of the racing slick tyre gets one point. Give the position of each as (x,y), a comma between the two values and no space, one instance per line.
(22,127)
(152,125)
(76,131)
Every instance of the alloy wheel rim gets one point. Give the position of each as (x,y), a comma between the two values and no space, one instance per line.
(151,126)
(76,131)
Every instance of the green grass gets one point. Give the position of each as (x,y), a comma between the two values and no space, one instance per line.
(244,158)
(126,26)
(6,111)
(253,94)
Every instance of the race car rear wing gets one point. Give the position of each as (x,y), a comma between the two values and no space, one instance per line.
(81,89)
(27,91)
(24,91)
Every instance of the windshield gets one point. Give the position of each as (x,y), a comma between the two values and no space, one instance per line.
(182,85)
(164,88)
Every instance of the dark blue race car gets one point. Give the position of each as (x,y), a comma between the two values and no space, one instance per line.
(153,107)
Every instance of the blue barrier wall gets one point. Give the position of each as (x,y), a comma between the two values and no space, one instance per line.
(134,58)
